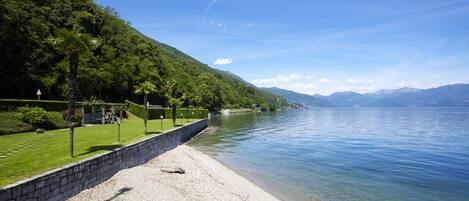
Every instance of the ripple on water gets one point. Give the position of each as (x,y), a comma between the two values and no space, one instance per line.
(348,153)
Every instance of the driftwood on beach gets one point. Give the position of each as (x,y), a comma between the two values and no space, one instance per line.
(177,170)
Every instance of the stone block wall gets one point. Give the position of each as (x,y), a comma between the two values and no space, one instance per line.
(65,182)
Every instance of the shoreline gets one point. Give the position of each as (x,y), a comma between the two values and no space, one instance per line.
(205,178)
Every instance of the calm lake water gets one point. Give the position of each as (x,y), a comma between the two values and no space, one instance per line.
(348,153)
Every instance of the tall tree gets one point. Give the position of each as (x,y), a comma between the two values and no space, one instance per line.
(145,88)
(73,44)
(197,101)
(187,97)
(171,89)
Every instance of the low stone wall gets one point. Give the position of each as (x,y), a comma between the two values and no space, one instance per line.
(63,183)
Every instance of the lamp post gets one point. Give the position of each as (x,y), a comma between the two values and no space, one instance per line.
(193,115)
(38,93)
(161,117)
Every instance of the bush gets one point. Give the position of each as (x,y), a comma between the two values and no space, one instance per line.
(57,120)
(26,119)
(33,115)
(78,114)
(49,105)
(38,117)
(10,124)
(153,113)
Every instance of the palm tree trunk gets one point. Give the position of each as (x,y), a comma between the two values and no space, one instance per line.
(145,116)
(174,114)
(72,84)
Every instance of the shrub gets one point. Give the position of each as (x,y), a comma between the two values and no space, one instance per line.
(38,117)
(33,115)
(78,114)
(10,124)
(57,120)
(153,113)
(49,105)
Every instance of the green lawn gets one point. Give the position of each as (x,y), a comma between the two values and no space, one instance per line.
(10,124)
(27,154)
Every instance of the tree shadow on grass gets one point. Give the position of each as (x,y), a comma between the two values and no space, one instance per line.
(100,148)
(154,132)
(178,125)
(120,192)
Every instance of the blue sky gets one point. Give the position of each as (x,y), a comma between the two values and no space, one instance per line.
(315,46)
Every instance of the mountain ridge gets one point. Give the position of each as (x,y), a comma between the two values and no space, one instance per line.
(299,98)
(446,95)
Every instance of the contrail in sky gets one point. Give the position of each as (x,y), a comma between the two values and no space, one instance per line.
(209,6)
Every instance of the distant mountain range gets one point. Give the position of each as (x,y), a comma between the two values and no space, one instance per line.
(448,95)
(304,99)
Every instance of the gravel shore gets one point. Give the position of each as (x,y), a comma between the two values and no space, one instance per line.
(204,179)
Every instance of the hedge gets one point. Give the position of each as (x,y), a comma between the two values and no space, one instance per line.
(49,105)
(155,113)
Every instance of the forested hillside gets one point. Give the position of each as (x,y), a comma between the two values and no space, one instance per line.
(123,59)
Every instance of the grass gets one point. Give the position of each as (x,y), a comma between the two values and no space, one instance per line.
(26,154)
(10,124)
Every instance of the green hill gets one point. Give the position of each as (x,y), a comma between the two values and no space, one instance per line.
(125,57)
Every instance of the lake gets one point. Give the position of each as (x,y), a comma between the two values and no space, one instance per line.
(347,153)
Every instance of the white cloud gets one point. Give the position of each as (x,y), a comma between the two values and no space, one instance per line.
(265,81)
(223,61)
(288,78)
(359,81)
(221,26)
(418,85)
(276,80)
(292,82)
(326,81)
(328,85)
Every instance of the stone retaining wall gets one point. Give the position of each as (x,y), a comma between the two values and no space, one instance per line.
(63,183)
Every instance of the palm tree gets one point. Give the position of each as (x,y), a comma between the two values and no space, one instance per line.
(171,89)
(186,96)
(145,88)
(73,44)
(197,101)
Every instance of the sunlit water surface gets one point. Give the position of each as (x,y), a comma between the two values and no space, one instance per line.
(348,153)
